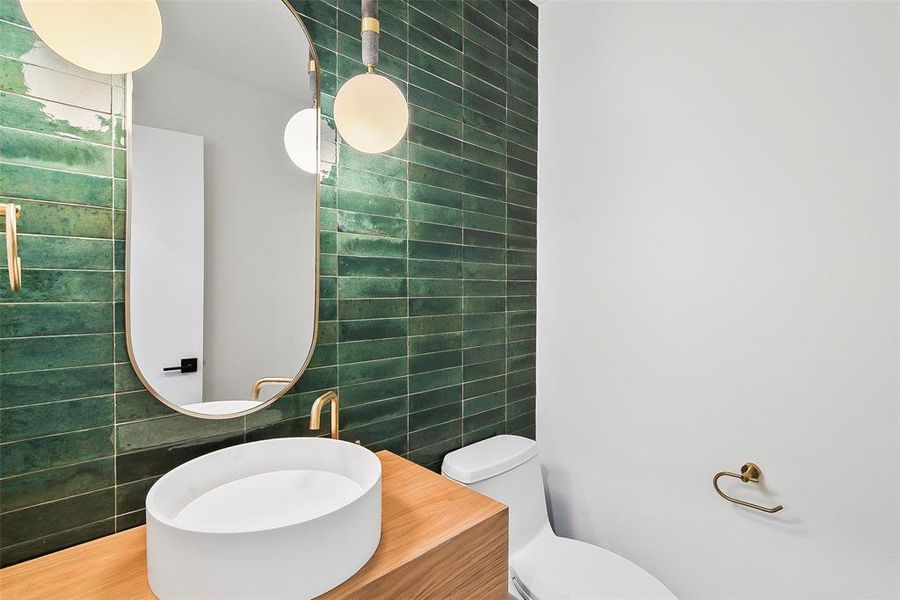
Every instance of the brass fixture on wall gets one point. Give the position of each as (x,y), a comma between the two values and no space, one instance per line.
(13,262)
(315,414)
(254,391)
(750,473)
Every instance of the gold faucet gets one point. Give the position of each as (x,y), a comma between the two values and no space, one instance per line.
(315,414)
(254,391)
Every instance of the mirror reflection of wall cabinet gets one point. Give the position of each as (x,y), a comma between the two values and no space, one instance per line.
(222,240)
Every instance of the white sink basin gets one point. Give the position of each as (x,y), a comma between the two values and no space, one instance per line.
(283,518)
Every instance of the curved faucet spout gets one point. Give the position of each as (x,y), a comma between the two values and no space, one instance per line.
(315,414)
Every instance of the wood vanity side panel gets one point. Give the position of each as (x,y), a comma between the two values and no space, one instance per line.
(470,566)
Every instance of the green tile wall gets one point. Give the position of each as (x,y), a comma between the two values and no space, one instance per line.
(427,320)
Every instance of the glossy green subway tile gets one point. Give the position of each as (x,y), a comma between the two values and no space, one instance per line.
(47,519)
(372,391)
(53,484)
(483,337)
(132,496)
(483,386)
(372,287)
(422,40)
(354,417)
(521,347)
(434,453)
(56,417)
(434,178)
(419,288)
(435,343)
(435,416)
(372,370)
(435,233)
(43,116)
(421,307)
(51,152)
(471,31)
(527,109)
(55,85)
(480,404)
(11,11)
(435,397)
(481,354)
(435,379)
(523,377)
(22,389)
(21,320)
(451,109)
(137,405)
(470,437)
(435,29)
(55,451)
(10,555)
(350,244)
(521,273)
(365,202)
(361,266)
(21,181)
(483,321)
(50,252)
(434,84)
(429,325)
(390,187)
(434,65)
(161,431)
(437,269)
(352,222)
(373,329)
(31,354)
(430,435)
(372,433)
(46,218)
(527,34)
(350,352)
(322,12)
(133,466)
(431,138)
(484,271)
(479,137)
(428,120)
(424,155)
(518,363)
(434,250)
(372,308)
(422,363)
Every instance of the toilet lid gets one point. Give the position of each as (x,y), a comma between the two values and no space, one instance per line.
(555,568)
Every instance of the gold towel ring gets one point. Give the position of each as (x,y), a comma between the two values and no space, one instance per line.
(749,473)
(13,262)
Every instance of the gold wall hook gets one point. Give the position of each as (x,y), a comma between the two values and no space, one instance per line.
(750,473)
(315,414)
(13,261)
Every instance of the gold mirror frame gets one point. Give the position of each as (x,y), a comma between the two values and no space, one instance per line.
(314,57)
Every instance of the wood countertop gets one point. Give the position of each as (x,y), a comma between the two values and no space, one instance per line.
(438,540)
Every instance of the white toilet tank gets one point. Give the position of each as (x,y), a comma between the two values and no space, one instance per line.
(507,469)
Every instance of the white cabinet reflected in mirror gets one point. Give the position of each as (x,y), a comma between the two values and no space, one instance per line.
(222,239)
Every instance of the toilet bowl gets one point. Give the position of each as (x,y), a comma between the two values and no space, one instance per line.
(542,565)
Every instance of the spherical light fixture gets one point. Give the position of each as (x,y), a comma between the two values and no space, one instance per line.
(370,111)
(300,138)
(104,36)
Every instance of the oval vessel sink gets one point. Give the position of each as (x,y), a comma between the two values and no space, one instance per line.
(282,518)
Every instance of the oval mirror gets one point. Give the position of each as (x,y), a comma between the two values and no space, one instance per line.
(222,235)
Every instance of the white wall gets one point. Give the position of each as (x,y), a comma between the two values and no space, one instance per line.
(718,258)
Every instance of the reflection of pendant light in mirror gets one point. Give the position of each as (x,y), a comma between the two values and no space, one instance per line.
(301,132)
(300,139)
(104,36)
(370,111)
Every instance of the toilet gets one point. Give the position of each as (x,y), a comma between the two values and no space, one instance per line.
(542,565)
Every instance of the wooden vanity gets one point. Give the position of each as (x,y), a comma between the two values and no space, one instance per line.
(438,540)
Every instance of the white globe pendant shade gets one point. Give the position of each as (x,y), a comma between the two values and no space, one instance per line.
(370,113)
(104,36)
(300,139)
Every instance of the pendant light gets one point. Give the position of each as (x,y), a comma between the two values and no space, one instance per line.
(370,111)
(301,134)
(104,36)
